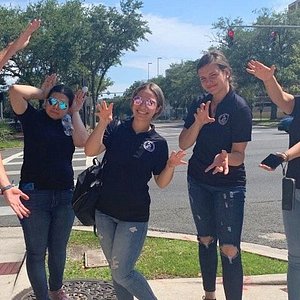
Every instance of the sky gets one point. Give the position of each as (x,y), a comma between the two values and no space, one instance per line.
(181,30)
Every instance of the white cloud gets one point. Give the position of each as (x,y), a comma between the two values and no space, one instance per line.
(170,39)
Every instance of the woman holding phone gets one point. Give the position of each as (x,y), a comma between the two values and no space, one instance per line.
(289,104)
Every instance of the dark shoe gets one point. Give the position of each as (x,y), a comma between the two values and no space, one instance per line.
(58,295)
(204,298)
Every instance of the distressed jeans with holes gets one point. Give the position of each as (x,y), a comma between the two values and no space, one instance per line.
(218,212)
(291,220)
(122,243)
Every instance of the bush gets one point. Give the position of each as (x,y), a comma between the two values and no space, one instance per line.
(6,132)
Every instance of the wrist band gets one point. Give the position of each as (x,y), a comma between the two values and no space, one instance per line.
(5,188)
(286,157)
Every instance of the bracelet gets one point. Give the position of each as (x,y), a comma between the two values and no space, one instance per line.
(5,188)
(285,156)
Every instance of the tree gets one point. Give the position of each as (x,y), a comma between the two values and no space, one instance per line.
(79,43)
(108,35)
(254,43)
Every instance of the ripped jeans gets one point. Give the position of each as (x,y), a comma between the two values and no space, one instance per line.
(218,213)
(122,243)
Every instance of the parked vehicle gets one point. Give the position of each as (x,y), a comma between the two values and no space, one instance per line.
(284,123)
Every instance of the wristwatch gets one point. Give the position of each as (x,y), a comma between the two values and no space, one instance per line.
(5,188)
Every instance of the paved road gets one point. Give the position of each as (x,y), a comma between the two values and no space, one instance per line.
(170,208)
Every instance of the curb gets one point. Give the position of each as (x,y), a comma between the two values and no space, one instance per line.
(22,283)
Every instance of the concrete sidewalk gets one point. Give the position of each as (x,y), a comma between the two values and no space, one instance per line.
(263,287)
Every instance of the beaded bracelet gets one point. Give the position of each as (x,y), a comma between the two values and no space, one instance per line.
(5,188)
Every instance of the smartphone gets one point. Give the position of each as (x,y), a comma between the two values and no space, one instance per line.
(288,193)
(272,161)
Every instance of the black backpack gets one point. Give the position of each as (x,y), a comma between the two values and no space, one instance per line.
(87,192)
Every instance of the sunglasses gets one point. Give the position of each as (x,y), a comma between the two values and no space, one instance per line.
(137,100)
(61,104)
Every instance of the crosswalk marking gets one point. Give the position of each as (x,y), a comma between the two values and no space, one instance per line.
(6,211)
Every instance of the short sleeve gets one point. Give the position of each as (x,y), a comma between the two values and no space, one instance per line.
(111,127)
(242,125)
(163,157)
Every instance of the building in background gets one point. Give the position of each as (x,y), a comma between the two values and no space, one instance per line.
(293,6)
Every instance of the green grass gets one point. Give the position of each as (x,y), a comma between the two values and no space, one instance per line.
(13,143)
(162,258)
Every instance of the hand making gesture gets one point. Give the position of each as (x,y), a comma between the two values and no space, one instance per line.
(78,102)
(105,113)
(260,71)
(49,82)
(176,159)
(220,163)
(202,114)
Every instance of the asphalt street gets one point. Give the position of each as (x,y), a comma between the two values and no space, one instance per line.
(170,209)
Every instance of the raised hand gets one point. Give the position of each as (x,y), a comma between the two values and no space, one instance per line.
(25,36)
(49,82)
(105,113)
(220,164)
(260,71)
(12,197)
(78,101)
(176,159)
(202,114)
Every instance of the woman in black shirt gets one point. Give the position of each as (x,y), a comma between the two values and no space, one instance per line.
(134,152)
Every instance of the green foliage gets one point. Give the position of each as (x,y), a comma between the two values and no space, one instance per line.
(164,258)
(78,42)
(6,132)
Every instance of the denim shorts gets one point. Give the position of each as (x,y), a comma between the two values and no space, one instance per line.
(217,211)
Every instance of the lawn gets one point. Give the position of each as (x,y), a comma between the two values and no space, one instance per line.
(161,258)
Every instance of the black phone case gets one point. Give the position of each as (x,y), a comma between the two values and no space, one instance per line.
(288,193)
(272,161)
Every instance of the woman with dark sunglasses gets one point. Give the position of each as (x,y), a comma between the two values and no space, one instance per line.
(47,176)
(134,151)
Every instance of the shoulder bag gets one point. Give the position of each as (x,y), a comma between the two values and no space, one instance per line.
(87,192)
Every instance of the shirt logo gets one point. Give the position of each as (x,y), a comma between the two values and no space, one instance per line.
(223,119)
(149,146)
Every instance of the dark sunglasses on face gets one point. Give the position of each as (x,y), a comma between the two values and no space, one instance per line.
(61,104)
(137,100)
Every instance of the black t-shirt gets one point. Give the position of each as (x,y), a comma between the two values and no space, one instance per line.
(233,124)
(48,151)
(294,137)
(131,160)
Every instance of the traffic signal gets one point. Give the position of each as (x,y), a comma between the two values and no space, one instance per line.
(273,37)
(230,37)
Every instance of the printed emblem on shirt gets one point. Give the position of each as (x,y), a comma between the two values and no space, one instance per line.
(223,119)
(149,146)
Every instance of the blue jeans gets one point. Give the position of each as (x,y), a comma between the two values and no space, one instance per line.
(122,243)
(47,227)
(218,213)
(291,220)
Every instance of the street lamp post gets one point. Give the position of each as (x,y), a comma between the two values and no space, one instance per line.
(158,58)
(149,63)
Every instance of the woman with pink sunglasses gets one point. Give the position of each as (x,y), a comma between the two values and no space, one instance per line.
(134,152)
